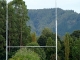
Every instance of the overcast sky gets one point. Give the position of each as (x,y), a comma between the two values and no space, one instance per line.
(64,4)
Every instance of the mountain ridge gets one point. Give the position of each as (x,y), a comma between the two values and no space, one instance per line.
(68,20)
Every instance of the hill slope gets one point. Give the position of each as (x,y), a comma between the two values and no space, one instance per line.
(68,20)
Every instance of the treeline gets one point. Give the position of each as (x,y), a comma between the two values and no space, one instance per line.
(68,47)
(19,34)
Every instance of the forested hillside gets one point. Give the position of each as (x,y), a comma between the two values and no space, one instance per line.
(68,20)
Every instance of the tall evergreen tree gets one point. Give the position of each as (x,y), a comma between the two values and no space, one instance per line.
(2,28)
(33,36)
(19,32)
(67,47)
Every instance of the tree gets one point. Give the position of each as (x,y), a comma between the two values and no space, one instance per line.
(76,50)
(44,36)
(25,54)
(49,50)
(33,36)
(19,32)
(75,34)
(61,50)
(42,40)
(48,33)
(67,47)
(2,29)
(53,57)
(38,50)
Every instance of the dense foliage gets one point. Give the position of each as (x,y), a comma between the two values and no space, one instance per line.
(25,54)
(18,30)
(38,50)
(20,33)
(2,29)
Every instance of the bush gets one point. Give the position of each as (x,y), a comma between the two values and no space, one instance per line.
(38,50)
(25,54)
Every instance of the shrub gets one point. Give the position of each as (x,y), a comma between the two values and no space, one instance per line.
(25,54)
(38,50)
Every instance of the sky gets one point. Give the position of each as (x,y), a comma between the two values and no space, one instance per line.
(64,4)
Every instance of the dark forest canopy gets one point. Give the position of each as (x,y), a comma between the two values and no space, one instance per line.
(68,20)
